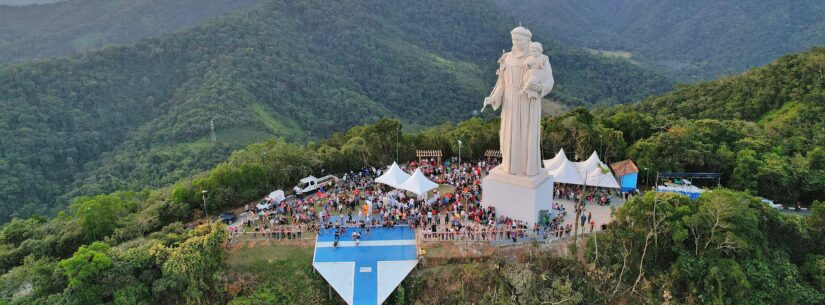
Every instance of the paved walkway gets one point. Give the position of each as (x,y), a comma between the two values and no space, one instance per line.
(601,214)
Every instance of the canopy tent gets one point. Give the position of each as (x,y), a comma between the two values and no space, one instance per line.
(566,172)
(553,164)
(418,184)
(601,177)
(394,176)
(588,165)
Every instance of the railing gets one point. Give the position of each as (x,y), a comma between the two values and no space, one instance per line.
(286,234)
(493,235)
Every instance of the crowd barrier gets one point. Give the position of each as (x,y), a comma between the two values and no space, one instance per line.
(286,234)
(492,235)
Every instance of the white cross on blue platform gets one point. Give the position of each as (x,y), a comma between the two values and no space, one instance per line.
(368,273)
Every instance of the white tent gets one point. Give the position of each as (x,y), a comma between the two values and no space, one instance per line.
(394,176)
(588,165)
(566,172)
(418,184)
(553,164)
(601,177)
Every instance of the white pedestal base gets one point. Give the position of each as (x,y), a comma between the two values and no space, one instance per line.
(517,197)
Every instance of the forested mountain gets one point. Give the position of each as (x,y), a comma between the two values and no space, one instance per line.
(726,247)
(686,40)
(765,129)
(41,31)
(139,116)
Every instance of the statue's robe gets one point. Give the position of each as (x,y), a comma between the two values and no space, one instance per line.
(520,133)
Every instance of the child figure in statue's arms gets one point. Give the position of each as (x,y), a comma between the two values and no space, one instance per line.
(535,64)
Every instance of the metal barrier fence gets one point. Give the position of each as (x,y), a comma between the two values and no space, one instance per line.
(294,234)
(493,235)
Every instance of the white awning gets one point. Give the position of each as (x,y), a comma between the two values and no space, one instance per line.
(394,176)
(418,184)
(553,164)
(601,177)
(589,165)
(566,172)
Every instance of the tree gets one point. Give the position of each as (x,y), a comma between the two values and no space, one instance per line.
(192,268)
(745,170)
(83,270)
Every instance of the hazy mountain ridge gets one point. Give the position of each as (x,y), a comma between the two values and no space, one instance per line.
(56,29)
(686,40)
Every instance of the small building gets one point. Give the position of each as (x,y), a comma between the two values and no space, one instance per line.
(627,174)
(426,155)
(492,154)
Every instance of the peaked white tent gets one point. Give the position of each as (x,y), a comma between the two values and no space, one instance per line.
(418,184)
(601,176)
(553,164)
(394,176)
(566,172)
(589,165)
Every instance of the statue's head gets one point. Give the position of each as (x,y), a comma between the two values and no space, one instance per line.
(521,38)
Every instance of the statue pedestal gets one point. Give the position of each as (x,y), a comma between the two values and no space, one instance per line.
(518,197)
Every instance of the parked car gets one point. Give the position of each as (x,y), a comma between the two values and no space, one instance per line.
(310,184)
(228,218)
(771,203)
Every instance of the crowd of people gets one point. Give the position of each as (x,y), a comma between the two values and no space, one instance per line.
(451,213)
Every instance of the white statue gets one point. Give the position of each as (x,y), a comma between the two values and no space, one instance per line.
(524,77)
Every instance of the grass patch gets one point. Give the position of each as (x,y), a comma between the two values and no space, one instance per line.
(780,119)
(263,256)
(279,125)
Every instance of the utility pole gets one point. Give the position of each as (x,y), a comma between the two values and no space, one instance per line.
(459,153)
(266,172)
(203,195)
(212,128)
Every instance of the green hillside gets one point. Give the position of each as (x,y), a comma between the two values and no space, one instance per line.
(726,247)
(686,40)
(763,129)
(55,29)
(139,116)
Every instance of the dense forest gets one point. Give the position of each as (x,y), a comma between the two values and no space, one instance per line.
(55,29)
(762,129)
(129,117)
(104,154)
(130,247)
(685,40)
(727,247)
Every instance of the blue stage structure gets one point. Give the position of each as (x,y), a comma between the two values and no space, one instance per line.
(367,273)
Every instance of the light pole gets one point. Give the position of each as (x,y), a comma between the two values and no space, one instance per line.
(266,172)
(459,153)
(647,176)
(203,195)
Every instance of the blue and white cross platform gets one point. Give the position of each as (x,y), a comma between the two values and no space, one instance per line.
(368,273)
